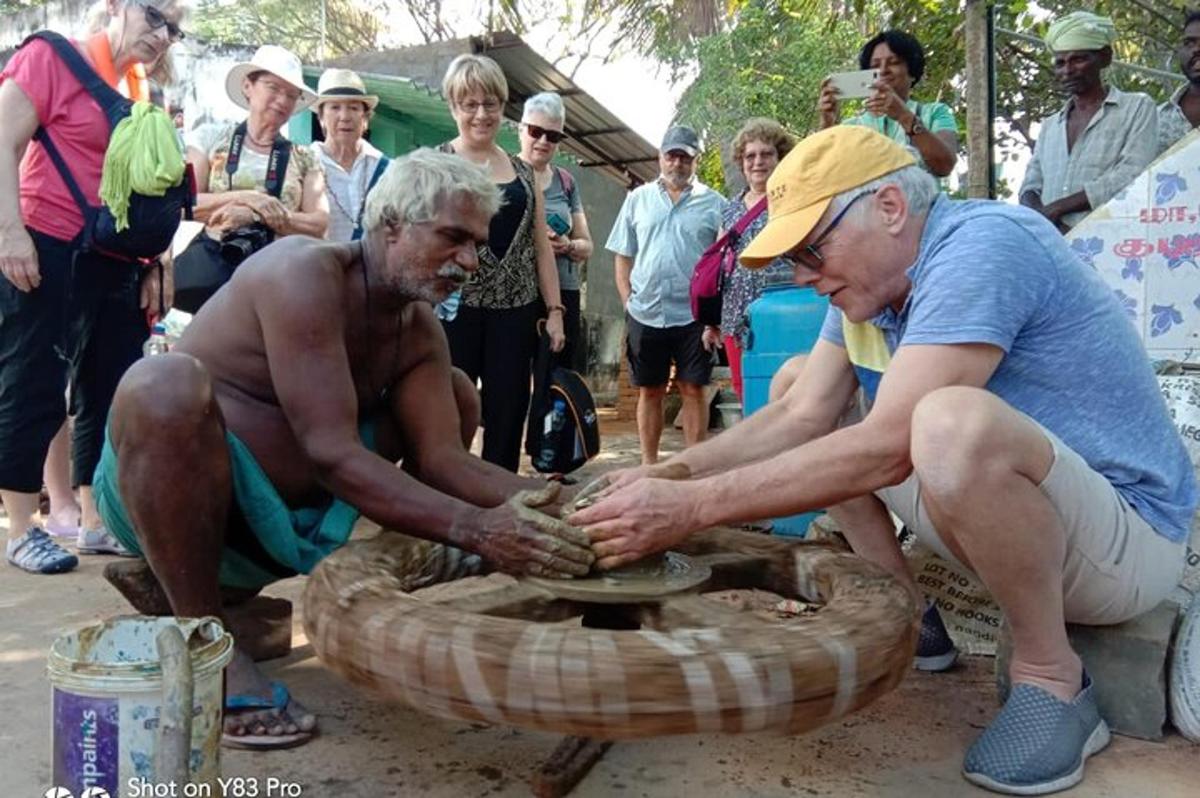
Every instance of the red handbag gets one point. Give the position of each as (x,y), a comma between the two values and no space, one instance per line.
(715,267)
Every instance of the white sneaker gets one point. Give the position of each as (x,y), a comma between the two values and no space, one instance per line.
(100,541)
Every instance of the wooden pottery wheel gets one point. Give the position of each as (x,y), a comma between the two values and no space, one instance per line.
(514,652)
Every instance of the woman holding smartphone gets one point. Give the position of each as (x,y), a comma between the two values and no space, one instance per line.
(929,128)
(542,124)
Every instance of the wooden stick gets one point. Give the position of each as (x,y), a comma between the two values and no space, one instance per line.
(566,767)
(175,721)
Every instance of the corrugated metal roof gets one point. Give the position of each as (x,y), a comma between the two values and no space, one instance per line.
(596,136)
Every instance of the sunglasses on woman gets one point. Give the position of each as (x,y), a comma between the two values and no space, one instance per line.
(537,132)
(156,20)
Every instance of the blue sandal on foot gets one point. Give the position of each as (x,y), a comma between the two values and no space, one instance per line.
(280,698)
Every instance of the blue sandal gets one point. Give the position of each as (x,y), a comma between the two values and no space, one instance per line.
(280,698)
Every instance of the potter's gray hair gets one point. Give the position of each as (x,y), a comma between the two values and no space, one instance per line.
(919,187)
(547,103)
(416,185)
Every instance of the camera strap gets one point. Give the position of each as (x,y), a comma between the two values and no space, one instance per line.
(277,161)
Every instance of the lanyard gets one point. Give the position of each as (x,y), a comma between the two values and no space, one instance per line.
(277,162)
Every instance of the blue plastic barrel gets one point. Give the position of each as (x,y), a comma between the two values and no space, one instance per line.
(784,321)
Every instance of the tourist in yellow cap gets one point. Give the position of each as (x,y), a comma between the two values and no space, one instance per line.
(1102,138)
(1013,424)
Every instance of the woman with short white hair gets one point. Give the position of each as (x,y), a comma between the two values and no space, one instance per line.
(493,332)
(351,163)
(542,123)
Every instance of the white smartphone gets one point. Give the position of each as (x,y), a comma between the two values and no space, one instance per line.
(854,84)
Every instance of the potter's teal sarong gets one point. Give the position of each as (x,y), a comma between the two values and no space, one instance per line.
(293,540)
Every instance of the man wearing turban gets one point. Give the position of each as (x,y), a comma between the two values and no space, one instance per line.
(1100,140)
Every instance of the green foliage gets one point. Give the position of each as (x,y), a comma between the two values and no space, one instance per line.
(769,56)
(12,6)
(769,62)
(710,169)
(350,25)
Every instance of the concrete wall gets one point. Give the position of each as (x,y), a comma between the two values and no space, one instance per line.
(65,16)
(603,325)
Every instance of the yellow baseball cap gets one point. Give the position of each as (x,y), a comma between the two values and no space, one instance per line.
(821,166)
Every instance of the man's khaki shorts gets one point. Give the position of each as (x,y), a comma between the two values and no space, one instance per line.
(1117,566)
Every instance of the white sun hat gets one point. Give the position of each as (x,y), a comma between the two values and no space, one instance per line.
(280,62)
(340,85)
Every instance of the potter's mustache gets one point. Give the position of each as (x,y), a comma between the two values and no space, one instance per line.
(451,271)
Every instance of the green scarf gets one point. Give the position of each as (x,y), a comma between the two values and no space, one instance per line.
(143,157)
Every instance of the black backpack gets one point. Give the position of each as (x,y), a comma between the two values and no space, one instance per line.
(563,431)
(152,220)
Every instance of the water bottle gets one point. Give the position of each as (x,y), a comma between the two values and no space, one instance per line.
(156,344)
(556,419)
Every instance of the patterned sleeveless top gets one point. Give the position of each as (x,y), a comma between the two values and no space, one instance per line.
(510,281)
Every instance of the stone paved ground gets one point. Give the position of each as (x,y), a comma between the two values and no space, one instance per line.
(910,743)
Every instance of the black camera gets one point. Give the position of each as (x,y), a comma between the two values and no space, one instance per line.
(242,242)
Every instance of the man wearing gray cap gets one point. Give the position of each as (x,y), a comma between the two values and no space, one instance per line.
(662,230)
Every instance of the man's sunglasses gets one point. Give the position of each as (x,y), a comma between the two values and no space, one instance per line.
(156,20)
(537,132)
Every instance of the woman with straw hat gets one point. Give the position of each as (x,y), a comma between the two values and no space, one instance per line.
(351,163)
(232,162)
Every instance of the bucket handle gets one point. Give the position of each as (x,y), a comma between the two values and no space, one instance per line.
(173,751)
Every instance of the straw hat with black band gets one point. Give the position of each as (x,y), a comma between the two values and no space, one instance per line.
(340,85)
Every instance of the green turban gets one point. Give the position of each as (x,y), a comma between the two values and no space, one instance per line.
(1080,30)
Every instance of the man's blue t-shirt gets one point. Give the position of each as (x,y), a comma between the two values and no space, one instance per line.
(1001,275)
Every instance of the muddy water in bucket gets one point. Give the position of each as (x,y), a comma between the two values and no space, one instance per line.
(107,698)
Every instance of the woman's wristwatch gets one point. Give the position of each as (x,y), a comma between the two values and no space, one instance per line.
(916,128)
(552,308)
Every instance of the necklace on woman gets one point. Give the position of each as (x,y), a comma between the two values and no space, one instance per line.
(258,143)
(486,163)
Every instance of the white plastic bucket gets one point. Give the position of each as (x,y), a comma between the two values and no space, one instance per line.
(107,694)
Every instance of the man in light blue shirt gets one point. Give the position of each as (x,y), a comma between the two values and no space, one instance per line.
(662,230)
(1015,426)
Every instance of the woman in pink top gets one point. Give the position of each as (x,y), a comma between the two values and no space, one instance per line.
(64,312)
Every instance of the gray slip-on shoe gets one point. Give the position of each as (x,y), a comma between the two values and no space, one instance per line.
(1038,743)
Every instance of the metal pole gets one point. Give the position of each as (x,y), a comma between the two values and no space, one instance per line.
(979,155)
(991,100)
(321,54)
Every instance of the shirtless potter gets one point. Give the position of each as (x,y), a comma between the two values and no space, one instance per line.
(301,384)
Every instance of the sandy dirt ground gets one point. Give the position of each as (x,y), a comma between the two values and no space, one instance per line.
(910,743)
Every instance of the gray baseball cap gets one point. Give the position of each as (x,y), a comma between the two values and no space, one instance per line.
(683,138)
